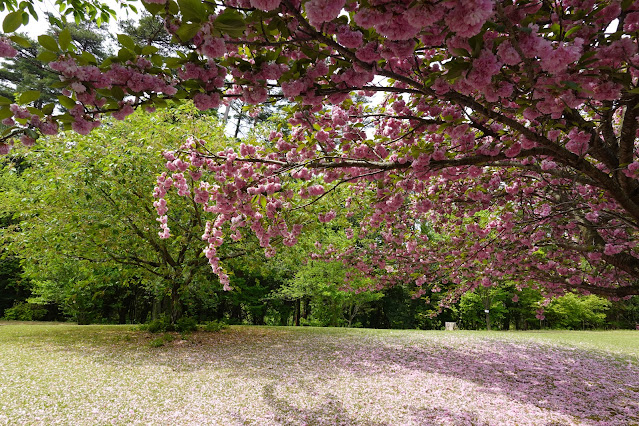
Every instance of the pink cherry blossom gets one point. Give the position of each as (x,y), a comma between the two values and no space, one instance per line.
(265,5)
(6,50)
(320,11)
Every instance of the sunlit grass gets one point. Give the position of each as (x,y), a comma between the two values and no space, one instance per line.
(87,375)
(617,342)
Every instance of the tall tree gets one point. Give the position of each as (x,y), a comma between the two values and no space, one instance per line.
(149,30)
(87,213)
(523,110)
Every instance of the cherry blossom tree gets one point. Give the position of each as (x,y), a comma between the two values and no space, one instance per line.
(499,142)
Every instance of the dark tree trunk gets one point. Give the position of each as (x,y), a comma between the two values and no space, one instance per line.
(285,313)
(236,313)
(296,315)
(175,304)
(307,309)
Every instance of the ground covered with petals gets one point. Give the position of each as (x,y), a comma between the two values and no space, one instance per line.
(87,375)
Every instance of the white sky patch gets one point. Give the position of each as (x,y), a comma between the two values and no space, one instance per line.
(35,28)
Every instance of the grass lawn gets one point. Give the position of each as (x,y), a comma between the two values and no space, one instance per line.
(110,375)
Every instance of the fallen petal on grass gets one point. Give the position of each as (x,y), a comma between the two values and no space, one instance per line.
(86,375)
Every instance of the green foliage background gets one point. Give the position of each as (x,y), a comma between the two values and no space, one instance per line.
(80,242)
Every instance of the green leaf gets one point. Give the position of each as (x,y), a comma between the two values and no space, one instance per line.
(572,31)
(455,69)
(159,102)
(5,101)
(174,63)
(88,57)
(157,60)
(48,43)
(66,102)
(35,111)
(181,94)
(48,109)
(12,22)
(174,9)
(230,22)
(458,51)
(28,96)
(149,50)
(127,41)
(117,93)
(193,10)
(64,39)
(58,85)
(571,85)
(477,43)
(20,41)
(46,56)
(5,113)
(65,119)
(187,31)
(125,54)
(153,8)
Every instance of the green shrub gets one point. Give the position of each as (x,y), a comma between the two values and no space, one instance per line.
(186,325)
(159,325)
(214,326)
(313,322)
(156,343)
(162,340)
(24,311)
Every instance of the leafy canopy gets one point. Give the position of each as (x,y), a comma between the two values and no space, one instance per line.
(507,127)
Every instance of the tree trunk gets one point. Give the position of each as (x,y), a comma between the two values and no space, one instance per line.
(307,309)
(285,313)
(239,123)
(236,313)
(175,305)
(156,310)
(353,310)
(296,315)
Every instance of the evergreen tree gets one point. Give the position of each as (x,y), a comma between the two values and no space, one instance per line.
(25,72)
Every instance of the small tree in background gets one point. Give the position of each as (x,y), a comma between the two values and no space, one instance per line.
(577,313)
(88,226)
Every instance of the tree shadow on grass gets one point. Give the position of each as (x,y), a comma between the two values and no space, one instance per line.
(330,412)
(578,383)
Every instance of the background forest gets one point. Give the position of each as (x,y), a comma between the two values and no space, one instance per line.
(80,243)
